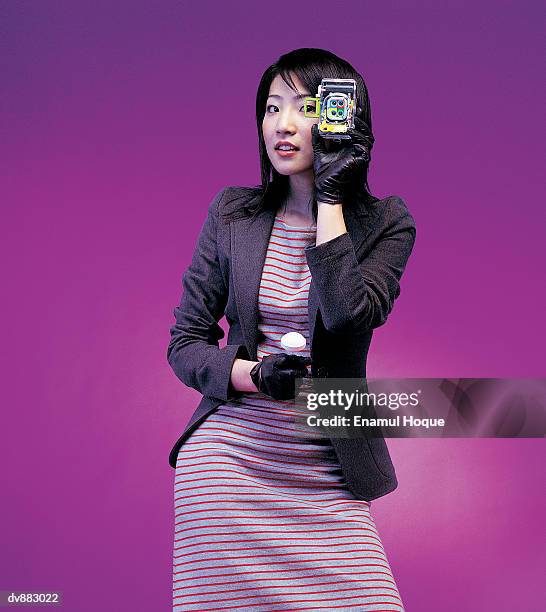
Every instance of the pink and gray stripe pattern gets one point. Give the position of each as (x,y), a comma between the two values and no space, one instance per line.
(263,517)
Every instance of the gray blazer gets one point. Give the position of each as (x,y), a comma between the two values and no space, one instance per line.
(355,281)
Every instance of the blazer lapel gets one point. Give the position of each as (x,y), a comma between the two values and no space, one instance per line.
(249,241)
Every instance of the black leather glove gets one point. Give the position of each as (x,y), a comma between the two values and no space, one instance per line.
(335,164)
(275,375)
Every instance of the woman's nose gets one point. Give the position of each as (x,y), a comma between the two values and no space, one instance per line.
(285,123)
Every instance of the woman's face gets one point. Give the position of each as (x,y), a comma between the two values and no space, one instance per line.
(285,122)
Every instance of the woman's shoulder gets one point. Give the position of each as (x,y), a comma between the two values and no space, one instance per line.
(236,201)
(239,194)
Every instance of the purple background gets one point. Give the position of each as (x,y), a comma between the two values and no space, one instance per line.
(106,179)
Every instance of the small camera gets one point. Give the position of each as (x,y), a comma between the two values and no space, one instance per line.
(334,105)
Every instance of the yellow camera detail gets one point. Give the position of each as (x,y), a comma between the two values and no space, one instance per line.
(334,105)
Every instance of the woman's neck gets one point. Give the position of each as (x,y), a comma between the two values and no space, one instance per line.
(299,202)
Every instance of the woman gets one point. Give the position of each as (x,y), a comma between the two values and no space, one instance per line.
(267,518)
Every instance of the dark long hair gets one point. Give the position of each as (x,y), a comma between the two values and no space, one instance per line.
(310,66)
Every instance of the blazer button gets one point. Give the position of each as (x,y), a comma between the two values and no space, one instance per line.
(322,371)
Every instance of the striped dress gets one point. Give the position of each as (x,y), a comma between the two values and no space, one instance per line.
(264,519)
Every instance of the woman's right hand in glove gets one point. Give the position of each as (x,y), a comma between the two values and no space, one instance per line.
(335,164)
(275,375)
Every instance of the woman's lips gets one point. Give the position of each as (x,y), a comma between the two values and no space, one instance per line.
(286,153)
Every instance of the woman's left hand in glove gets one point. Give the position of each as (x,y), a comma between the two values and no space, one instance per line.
(335,164)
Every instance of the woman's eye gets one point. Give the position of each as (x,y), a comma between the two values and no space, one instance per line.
(270,106)
(309,108)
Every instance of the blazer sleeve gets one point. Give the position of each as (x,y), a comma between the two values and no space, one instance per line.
(193,351)
(357,295)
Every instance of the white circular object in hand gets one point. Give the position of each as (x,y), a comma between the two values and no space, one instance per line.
(293,342)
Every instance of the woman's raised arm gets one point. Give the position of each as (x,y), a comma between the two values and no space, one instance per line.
(357,295)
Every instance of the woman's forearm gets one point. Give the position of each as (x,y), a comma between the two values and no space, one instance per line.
(240,376)
(330,222)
